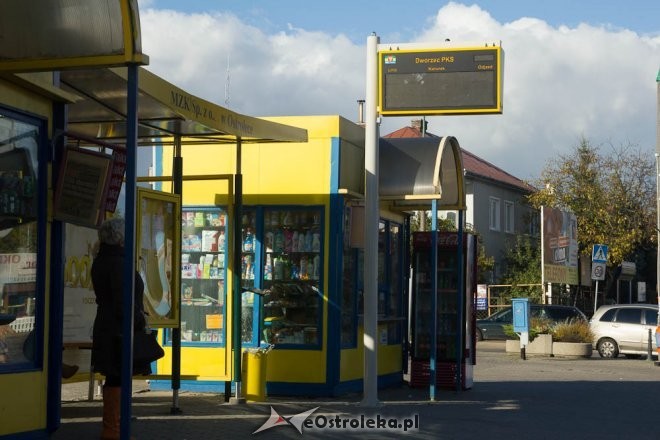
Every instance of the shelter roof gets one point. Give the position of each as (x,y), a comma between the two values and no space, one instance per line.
(415,171)
(164,110)
(474,165)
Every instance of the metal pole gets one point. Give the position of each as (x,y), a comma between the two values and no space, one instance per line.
(433,355)
(657,213)
(618,291)
(542,257)
(237,291)
(657,209)
(630,291)
(370,383)
(128,271)
(649,349)
(596,297)
(460,316)
(177,174)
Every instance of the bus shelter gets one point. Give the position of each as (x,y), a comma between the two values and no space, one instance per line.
(70,75)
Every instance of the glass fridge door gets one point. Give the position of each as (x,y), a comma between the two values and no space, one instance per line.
(421,331)
(447,300)
(447,304)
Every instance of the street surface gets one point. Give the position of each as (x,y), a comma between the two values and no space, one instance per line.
(538,398)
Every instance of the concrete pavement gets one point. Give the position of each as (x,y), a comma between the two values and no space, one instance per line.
(537,398)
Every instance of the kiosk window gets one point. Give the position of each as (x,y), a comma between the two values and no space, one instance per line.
(19,237)
(390,286)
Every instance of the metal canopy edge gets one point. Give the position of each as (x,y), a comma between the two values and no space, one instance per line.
(37,83)
(164,110)
(51,35)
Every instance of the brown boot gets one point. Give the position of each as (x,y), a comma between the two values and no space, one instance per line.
(111,410)
(111,413)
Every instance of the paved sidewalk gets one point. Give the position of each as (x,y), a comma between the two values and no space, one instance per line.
(537,398)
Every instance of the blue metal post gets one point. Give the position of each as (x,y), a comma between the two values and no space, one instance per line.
(56,285)
(129,252)
(434,300)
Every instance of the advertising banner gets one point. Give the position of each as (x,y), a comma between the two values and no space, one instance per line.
(559,246)
(79,299)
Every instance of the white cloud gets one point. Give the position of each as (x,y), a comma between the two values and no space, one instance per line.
(294,73)
(560,83)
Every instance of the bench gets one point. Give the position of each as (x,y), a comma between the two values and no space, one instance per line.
(95,378)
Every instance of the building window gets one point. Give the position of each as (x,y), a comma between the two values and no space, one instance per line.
(508,216)
(494,214)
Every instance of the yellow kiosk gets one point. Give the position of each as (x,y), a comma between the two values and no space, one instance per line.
(301,256)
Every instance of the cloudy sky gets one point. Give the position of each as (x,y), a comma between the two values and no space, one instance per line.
(572,69)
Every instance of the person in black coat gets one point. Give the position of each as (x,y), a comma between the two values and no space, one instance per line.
(107,280)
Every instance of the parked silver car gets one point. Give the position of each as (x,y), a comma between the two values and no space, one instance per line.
(624,329)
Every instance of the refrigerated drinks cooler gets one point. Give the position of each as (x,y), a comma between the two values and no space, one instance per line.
(448,305)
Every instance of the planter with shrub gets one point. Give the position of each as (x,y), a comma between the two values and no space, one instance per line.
(572,338)
(540,339)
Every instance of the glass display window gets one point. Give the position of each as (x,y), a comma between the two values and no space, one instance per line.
(292,268)
(281,274)
(348,283)
(203,275)
(250,245)
(394,302)
(21,232)
(349,299)
(390,284)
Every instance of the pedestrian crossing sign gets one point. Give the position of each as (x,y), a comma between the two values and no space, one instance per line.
(599,254)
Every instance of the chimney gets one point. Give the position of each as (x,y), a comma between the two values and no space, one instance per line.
(360,111)
(419,124)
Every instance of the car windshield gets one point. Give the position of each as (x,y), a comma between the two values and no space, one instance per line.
(562,314)
(501,316)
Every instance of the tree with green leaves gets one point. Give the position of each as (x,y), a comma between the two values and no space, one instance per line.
(611,192)
(522,267)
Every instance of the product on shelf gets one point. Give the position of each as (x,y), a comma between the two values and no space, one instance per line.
(203,275)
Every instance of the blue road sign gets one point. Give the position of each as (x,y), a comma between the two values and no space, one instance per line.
(599,254)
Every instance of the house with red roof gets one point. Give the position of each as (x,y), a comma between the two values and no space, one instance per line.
(495,199)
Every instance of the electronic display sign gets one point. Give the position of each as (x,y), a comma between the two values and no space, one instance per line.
(440,81)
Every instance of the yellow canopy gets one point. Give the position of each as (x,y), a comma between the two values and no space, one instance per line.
(164,110)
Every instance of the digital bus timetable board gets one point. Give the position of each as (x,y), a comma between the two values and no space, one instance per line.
(440,81)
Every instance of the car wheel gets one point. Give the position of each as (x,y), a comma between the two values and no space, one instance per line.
(480,336)
(607,348)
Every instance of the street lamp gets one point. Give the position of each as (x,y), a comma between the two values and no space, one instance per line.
(657,209)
